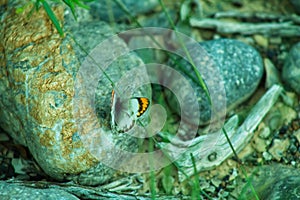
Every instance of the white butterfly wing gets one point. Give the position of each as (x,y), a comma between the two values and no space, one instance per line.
(124,113)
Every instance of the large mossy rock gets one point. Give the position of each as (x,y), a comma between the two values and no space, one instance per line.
(38,71)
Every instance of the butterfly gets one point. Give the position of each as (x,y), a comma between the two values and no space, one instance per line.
(126,111)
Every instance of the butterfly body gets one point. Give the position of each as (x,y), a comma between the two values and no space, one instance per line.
(126,111)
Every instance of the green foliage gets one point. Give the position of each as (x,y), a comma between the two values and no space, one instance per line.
(152,174)
(249,182)
(52,16)
(168,180)
(72,4)
(196,187)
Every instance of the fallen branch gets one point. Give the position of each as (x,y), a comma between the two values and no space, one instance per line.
(212,149)
(258,16)
(285,29)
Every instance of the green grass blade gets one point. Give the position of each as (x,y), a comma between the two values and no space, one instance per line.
(110,13)
(181,170)
(242,167)
(134,19)
(52,17)
(199,77)
(152,175)
(78,3)
(37,5)
(196,186)
(71,6)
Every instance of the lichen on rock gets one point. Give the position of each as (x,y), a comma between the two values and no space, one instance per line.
(38,74)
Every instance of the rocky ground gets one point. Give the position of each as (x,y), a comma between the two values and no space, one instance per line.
(270,160)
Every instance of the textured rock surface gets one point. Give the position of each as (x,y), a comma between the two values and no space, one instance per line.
(37,88)
(15,191)
(239,65)
(109,10)
(275,182)
(291,69)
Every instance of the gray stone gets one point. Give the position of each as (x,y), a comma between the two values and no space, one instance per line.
(103,9)
(41,105)
(16,191)
(274,182)
(279,148)
(291,69)
(239,66)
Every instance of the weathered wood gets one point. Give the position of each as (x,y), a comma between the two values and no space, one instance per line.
(212,149)
(257,16)
(284,29)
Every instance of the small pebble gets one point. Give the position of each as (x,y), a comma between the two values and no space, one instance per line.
(261,41)
(274,120)
(293,163)
(210,189)
(216,182)
(267,156)
(279,116)
(259,160)
(289,98)
(268,142)
(260,144)
(247,151)
(279,148)
(264,132)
